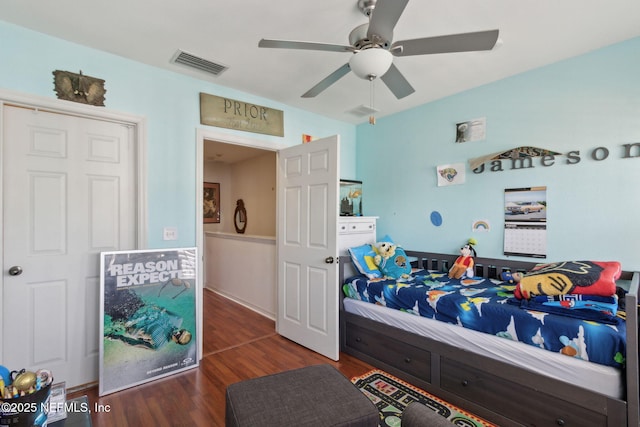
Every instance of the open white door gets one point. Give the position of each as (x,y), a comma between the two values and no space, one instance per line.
(307,245)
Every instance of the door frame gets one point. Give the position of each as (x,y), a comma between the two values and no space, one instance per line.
(138,124)
(202,135)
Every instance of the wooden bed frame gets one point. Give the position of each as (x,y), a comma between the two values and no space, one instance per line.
(496,390)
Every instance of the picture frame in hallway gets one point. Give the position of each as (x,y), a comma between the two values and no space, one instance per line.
(211,202)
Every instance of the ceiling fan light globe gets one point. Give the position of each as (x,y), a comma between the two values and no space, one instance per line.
(371,62)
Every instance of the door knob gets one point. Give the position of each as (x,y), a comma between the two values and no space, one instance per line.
(329,260)
(16,270)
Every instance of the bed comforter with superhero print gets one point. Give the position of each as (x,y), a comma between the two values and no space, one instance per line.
(489,306)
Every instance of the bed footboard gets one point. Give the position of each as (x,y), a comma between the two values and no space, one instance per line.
(480,384)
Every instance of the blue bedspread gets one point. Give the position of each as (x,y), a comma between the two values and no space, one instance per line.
(482,305)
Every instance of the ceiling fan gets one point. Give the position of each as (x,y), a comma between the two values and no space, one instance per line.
(373,48)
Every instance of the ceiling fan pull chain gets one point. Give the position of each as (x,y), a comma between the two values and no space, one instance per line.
(372,118)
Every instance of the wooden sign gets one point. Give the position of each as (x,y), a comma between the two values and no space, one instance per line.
(239,115)
(79,88)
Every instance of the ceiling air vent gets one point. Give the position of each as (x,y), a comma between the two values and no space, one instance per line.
(193,61)
(363,110)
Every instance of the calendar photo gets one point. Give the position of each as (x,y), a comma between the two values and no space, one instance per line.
(525,204)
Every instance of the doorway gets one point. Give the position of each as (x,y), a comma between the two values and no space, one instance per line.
(318,231)
(219,148)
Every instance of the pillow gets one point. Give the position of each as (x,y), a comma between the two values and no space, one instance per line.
(351,291)
(397,265)
(570,277)
(362,258)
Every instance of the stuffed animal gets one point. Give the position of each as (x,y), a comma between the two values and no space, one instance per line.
(384,250)
(463,266)
(392,260)
(566,277)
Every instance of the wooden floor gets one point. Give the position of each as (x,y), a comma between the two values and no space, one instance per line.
(238,344)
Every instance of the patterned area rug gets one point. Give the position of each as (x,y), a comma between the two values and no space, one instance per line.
(391,395)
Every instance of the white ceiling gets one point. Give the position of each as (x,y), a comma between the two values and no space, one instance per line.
(533,33)
(220,152)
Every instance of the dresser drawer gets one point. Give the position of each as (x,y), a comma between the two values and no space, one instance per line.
(483,388)
(410,359)
(356,227)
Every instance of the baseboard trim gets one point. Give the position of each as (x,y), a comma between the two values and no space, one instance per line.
(242,303)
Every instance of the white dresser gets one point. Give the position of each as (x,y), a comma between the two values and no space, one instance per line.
(355,231)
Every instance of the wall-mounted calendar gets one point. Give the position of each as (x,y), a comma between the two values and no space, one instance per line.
(525,222)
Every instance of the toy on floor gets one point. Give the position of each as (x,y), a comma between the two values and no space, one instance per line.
(463,266)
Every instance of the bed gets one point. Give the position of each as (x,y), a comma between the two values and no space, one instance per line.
(502,380)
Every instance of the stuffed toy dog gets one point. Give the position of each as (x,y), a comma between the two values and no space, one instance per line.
(463,266)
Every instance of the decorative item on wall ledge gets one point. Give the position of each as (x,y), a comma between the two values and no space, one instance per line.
(517,153)
(79,88)
(240,217)
(239,115)
(211,202)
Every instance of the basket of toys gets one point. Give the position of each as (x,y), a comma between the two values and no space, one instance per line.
(24,397)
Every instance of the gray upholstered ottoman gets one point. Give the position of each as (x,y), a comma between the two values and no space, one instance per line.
(418,415)
(312,396)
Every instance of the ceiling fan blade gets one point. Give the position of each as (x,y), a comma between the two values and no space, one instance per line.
(290,44)
(384,17)
(396,82)
(328,81)
(465,42)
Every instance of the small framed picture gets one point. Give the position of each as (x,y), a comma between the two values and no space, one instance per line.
(211,202)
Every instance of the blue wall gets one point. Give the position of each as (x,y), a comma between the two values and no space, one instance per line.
(171,104)
(580,104)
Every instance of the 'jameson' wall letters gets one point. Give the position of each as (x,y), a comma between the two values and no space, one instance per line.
(572,157)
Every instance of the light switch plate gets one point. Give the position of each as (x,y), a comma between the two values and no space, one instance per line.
(170,233)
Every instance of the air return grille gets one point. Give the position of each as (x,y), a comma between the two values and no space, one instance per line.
(363,110)
(193,61)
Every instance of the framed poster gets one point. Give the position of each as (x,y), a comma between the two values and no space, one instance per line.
(211,202)
(148,311)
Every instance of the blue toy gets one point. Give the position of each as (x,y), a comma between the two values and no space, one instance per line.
(392,260)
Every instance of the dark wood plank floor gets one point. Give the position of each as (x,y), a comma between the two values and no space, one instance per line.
(238,344)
